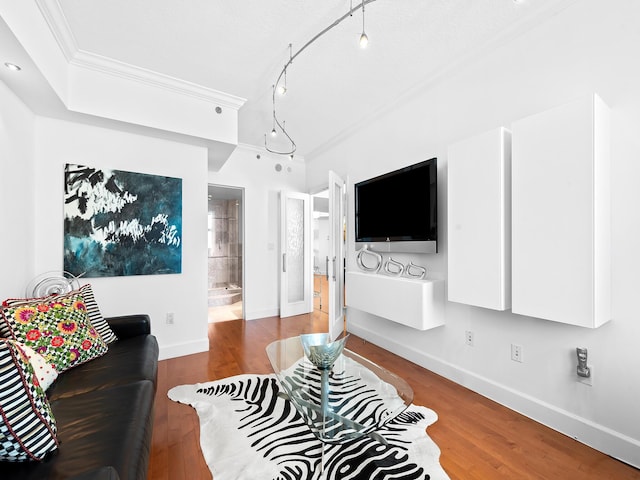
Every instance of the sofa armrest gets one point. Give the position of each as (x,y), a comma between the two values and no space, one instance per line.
(127,326)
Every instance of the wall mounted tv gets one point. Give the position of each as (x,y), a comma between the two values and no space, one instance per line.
(397,211)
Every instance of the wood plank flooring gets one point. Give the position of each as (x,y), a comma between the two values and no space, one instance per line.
(479,439)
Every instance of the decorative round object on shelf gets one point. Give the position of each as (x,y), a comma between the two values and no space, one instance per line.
(392,267)
(361,263)
(50,283)
(415,271)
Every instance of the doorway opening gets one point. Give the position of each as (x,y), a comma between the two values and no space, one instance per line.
(320,227)
(225,246)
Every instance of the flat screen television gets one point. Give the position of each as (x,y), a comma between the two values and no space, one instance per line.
(397,211)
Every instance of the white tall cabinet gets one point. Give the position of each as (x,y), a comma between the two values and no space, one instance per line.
(479,220)
(561,214)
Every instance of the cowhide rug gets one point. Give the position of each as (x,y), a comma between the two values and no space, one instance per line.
(248,432)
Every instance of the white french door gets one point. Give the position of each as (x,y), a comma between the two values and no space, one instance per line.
(295,254)
(335,270)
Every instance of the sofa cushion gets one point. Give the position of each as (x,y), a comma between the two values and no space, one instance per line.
(27,425)
(128,360)
(57,327)
(109,427)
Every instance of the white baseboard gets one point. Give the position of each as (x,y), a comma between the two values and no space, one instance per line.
(597,436)
(185,348)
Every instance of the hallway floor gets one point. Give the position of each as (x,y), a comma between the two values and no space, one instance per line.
(225,313)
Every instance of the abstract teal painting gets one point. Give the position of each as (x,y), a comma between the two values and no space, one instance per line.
(119,223)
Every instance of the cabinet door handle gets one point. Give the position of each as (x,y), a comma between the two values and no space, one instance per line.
(284,263)
(334,268)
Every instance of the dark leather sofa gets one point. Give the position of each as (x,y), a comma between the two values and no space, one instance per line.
(103,411)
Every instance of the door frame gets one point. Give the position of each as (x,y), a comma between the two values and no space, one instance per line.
(340,266)
(241,237)
(337,247)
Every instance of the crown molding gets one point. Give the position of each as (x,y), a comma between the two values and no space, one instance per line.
(109,66)
(54,16)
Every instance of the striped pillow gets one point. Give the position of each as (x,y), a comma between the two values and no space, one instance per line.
(98,322)
(27,427)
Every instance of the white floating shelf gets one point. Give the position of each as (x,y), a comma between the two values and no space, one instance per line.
(415,303)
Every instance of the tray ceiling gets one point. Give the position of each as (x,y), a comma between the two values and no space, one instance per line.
(333,87)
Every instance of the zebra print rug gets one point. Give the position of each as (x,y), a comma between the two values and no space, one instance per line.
(248,432)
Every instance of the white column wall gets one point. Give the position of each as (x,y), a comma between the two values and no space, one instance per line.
(589,47)
(185,295)
(262,184)
(16,194)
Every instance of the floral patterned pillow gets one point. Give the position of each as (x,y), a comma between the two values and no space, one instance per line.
(57,327)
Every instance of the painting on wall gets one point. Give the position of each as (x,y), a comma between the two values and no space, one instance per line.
(119,223)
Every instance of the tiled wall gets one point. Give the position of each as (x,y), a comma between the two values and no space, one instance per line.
(225,252)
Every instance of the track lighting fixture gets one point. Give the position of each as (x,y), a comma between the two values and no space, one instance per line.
(364,40)
(274,133)
(282,87)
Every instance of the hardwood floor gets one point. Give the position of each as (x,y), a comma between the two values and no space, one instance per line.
(479,439)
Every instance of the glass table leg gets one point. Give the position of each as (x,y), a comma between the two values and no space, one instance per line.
(324,393)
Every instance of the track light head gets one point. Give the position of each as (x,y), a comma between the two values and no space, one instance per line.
(364,40)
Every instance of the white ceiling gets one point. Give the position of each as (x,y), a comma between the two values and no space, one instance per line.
(239,47)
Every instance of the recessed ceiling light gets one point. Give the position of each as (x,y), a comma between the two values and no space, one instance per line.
(12,66)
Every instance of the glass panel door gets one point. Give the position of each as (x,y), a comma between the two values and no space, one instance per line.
(295,259)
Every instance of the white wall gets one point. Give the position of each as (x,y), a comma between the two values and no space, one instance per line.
(16,194)
(58,142)
(589,47)
(262,184)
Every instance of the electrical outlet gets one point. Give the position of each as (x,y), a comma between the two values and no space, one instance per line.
(169,318)
(516,353)
(468,338)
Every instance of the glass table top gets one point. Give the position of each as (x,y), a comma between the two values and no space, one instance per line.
(355,397)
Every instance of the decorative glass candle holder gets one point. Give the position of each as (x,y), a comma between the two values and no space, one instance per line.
(320,350)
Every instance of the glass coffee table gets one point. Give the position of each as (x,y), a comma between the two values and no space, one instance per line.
(354,398)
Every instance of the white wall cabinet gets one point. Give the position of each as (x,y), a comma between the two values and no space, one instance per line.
(561,214)
(479,220)
(411,302)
